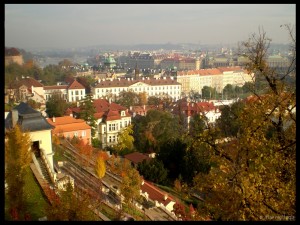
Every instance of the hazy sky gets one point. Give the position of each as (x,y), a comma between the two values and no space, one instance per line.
(80,25)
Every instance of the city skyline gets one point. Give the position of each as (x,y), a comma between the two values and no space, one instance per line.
(74,25)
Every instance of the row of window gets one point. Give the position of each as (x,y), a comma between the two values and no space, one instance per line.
(114,126)
(77,134)
(76,92)
(137,89)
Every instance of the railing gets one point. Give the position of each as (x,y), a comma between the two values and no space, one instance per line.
(48,166)
(37,164)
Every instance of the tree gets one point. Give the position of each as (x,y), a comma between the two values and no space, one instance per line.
(197,125)
(56,105)
(153,100)
(100,167)
(85,150)
(228,122)
(153,170)
(87,111)
(71,205)
(128,98)
(17,160)
(228,91)
(254,174)
(33,104)
(125,139)
(142,98)
(131,185)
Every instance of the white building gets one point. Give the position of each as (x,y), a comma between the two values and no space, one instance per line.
(159,87)
(72,93)
(216,78)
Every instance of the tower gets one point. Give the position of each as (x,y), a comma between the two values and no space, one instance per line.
(136,72)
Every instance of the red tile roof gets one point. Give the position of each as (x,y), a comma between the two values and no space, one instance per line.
(28,82)
(76,85)
(155,193)
(104,109)
(136,157)
(67,123)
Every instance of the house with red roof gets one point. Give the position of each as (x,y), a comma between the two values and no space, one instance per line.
(160,198)
(73,91)
(26,88)
(136,157)
(111,119)
(70,127)
(188,109)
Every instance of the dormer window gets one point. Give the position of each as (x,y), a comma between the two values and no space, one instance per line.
(122,113)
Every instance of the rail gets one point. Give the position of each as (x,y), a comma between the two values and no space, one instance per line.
(48,166)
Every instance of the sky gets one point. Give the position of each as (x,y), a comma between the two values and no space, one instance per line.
(83,25)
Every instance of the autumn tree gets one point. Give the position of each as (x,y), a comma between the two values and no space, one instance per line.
(125,139)
(71,205)
(100,167)
(142,98)
(17,159)
(85,150)
(87,111)
(254,177)
(130,187)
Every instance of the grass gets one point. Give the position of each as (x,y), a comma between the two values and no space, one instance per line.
(36,202)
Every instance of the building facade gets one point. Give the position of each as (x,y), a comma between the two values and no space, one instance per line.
(152,87)
(216,78)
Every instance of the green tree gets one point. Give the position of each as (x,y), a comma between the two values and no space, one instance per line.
(208,92)
(153,170)
(228,122)
(56,105)
(228,91)
(87,112)
(128,98)
(17,160)
(254,177)
(197,125)
(153,100)
(33,104)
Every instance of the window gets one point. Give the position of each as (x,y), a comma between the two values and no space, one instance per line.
(121,124)
(75,134)
(125,123)
(109,139)
(83,134)
(112,127)
(113,138)
(122,113)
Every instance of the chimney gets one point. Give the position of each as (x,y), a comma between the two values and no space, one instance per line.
(165,197)
(53,119)
(14,117)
